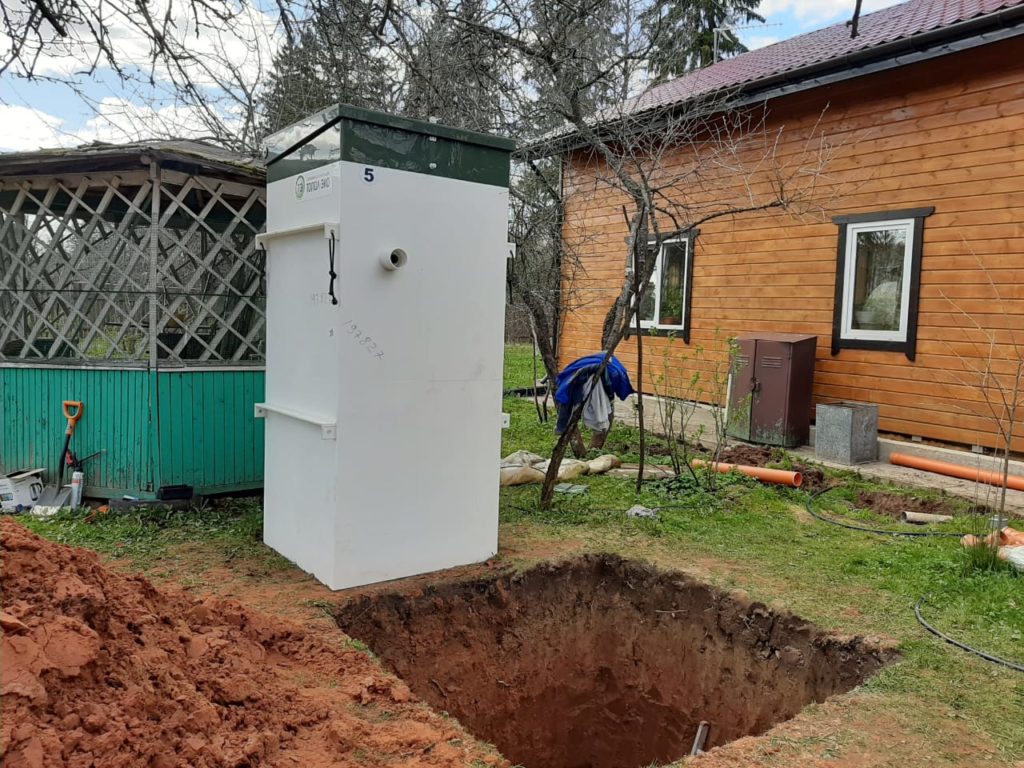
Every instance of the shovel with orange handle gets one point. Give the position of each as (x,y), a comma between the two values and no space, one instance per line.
(73,410)
(55,496)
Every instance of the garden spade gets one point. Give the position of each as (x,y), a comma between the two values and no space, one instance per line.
(56,496)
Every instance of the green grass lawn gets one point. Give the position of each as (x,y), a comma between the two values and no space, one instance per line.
(230,529)
(519,366)
(773,549)
(746,535)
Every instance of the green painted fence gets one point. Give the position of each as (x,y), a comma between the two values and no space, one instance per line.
(171,427)
(209,438)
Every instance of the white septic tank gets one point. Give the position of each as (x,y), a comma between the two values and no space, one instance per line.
(386,252)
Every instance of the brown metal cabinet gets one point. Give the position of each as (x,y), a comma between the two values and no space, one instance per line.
(770,399)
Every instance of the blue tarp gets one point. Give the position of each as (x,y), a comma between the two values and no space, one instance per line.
(570,382)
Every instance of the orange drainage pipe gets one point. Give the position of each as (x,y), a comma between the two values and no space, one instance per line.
(765,475)
(957,470)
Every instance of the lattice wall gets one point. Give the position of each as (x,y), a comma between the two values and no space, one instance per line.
(118,269)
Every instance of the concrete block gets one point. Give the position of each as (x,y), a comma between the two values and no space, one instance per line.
(847,433)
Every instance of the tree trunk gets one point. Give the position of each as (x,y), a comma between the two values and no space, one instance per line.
(615,327)
(547,490)
(545,337)
(616,316)
(639,382)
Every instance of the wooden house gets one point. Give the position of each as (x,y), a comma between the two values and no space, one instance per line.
(911,275)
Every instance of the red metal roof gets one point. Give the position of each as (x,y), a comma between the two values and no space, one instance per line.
(897,22)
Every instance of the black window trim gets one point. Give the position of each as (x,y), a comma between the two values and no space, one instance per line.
(909,346)
(690,235)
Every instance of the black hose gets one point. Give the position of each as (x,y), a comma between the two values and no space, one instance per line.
(863,529)
(917,606)
(611,510)
(808,504)
(525,391)
(958,644)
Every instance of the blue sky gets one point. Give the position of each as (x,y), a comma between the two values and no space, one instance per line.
(41,114)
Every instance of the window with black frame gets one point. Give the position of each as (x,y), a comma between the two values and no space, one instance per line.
(665,305)
(878,275)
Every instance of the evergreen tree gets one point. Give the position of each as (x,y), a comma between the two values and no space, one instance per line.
(685,37)
(336,58)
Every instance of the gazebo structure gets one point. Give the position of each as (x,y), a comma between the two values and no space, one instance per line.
(130,279)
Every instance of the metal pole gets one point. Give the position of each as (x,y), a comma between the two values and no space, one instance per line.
(701,738)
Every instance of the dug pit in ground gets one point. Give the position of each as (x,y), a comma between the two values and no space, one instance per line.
(605,663)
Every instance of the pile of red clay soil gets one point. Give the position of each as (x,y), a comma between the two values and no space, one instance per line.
(103,669)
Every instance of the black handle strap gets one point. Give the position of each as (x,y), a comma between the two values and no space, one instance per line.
(333,275)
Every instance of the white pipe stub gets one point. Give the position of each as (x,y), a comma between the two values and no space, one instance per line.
(394,260)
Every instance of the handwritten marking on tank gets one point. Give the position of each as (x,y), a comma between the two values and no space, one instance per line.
(365,341)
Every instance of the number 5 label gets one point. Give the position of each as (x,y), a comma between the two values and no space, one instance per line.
(368,175)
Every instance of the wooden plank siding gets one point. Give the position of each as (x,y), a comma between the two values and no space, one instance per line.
(947,133)
(116,421)
(196,428)
(208,435)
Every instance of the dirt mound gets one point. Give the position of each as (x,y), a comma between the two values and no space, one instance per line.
(602,662)
(760,456)
(894,504)
(651,448)
(752,455)
(104,669)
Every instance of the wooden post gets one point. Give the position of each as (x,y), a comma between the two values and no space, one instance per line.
(154,255)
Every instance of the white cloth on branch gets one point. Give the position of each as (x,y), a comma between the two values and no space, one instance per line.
(597,408)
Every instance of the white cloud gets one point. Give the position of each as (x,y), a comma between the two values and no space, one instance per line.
(759,41)
(222,63)
(810,13)
(117,120)
(211,53)
(23,129)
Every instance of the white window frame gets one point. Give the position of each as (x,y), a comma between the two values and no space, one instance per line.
(655,283)
(847,331)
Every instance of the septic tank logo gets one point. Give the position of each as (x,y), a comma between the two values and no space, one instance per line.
(300,187)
